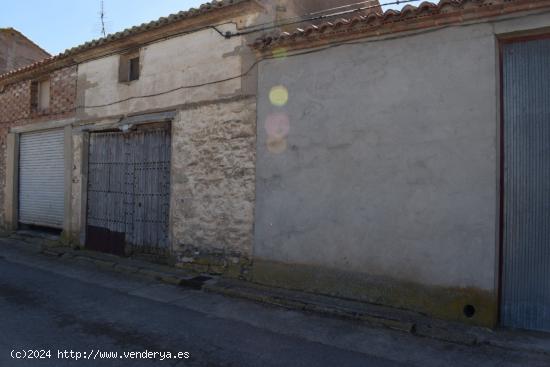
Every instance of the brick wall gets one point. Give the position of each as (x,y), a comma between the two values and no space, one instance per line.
(15,110)
(17,51)
(15,102)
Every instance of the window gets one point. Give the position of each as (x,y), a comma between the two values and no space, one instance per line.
(134,69)
(40,95)
(129,67)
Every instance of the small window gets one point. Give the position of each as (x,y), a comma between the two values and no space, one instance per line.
(40,95)
(129,67)
(134,69)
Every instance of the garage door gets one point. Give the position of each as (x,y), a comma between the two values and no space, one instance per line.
(41,178)
(129,191)
(526,235)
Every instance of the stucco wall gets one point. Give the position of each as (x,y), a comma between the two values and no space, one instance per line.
(379,177)
(390,163)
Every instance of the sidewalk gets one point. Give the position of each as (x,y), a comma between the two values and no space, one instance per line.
(373,315)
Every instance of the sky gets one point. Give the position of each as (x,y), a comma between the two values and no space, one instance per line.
(57,25)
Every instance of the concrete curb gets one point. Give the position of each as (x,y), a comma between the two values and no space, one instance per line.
(374,315)
(394,322)
(394,319)
(520,346)
(151,271)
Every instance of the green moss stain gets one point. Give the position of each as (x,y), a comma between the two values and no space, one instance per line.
(441,302)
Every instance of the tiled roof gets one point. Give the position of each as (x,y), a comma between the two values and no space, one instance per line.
(392,21)
(161,22)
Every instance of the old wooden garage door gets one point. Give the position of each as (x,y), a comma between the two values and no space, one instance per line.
(526,232)
(42,178)
(129,191)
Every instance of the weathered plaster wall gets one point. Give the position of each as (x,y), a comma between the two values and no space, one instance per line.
(187,60)
(213,178)
(386,175)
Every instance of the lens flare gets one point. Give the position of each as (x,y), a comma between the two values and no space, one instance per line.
(277,125)
(276,145)
(280,53)
(278,96)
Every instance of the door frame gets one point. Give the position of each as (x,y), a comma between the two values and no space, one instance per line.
(503,40)
(11,197)
(123,124)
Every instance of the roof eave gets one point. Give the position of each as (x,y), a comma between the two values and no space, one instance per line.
(410,20)
(107,46)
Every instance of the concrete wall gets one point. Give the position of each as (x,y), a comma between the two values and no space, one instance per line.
(16,51)
(385,179)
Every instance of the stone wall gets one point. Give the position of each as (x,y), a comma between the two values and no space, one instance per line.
(213,185)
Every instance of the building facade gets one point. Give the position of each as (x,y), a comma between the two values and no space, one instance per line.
(151,150)
(24,110)
(17,51)
(401,161)
(381,157)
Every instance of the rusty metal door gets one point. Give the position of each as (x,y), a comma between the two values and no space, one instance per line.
(129,191)
(526,185)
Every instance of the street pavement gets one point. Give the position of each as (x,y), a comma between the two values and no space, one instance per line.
(70,313)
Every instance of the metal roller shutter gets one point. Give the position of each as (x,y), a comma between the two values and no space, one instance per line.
(41,178)
(526,232)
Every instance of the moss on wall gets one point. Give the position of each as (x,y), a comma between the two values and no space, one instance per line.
(449,303)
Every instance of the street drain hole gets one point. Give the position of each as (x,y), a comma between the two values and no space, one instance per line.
(469,311)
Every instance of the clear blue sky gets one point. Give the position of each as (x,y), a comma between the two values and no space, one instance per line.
(56,25)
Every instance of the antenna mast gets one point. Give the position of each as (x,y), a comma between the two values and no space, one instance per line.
(102,16)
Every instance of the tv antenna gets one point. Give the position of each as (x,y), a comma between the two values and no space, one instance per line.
(102,16)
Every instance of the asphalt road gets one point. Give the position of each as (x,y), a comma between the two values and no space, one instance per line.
(60,306)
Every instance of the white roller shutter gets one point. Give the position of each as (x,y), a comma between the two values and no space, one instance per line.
(41,178)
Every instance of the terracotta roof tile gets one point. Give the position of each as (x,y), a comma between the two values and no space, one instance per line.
(172,18)
(408,15)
